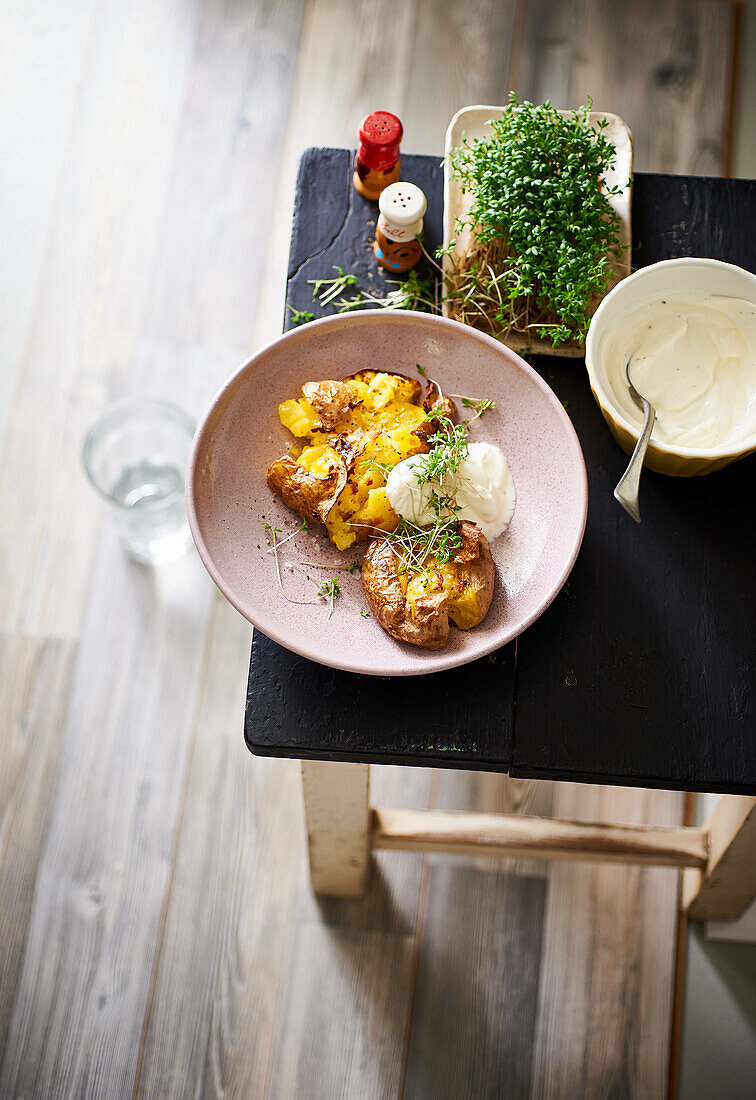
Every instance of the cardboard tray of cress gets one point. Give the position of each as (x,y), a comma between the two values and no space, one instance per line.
(475,122)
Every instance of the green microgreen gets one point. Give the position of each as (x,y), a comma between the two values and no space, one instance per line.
(300,316)
(325,290)
(415,292)
(273,531)
(329,590)
(543,228)
(365,614)
(346,305)
(418,547)
(448,446)
(271,534)
(479,405)
(368,464)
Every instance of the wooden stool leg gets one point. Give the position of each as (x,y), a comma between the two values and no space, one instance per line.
(337,810)
(728,883)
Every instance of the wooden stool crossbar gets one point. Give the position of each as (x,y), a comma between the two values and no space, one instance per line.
(718,858)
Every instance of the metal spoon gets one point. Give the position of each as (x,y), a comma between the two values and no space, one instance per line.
(628,485)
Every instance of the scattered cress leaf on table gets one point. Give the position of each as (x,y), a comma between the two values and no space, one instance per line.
(415,292)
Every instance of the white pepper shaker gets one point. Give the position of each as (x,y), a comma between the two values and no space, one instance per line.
(400,223)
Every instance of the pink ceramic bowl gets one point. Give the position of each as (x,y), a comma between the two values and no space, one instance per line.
(228,499)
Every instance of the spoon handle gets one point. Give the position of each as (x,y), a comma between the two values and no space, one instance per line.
(628,485)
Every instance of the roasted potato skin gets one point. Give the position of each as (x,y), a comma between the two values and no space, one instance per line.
(318,498)
(475,559)
(332,402)
(433,401)
(425,621)
(429,629)
(354,432)
(310,497)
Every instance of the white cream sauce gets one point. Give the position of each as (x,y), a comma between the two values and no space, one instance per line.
(694,358)
(483,489)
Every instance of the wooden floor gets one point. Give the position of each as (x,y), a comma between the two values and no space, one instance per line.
(157,932)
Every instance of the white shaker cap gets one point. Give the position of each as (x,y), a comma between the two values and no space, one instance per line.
(402,206)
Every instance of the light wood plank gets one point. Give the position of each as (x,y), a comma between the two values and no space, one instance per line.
(664,67)
(472,47)
(607,967)
(225,182)
(34,688)
(728,884)
(344,1014)
(108,216)
(82,991)
(390,902)
(475,1008)
(238,865)
(536,837)
(744,130)
(43,56)
(110,1035)
(243,838)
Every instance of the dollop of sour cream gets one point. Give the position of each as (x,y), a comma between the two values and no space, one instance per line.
(483,489)
(694,358)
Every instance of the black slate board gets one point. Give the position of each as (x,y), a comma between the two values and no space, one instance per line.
(641,671)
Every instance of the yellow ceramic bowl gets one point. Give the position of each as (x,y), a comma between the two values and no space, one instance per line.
(668,277)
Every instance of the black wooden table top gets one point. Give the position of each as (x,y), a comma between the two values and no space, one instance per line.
(641,670)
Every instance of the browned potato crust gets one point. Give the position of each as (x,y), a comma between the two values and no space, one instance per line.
(481,571)
(435,402)
(440,403)
(331,401)
(430,627)
(309,496)
(427,623)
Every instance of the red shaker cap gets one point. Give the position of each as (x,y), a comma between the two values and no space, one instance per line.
(380,136)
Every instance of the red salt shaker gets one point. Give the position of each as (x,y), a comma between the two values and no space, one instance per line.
(377,162)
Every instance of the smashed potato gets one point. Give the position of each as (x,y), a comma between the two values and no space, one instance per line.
(354,431)
(368,399)
(418,606)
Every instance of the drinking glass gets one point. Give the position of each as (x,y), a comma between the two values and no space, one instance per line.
(135,457)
